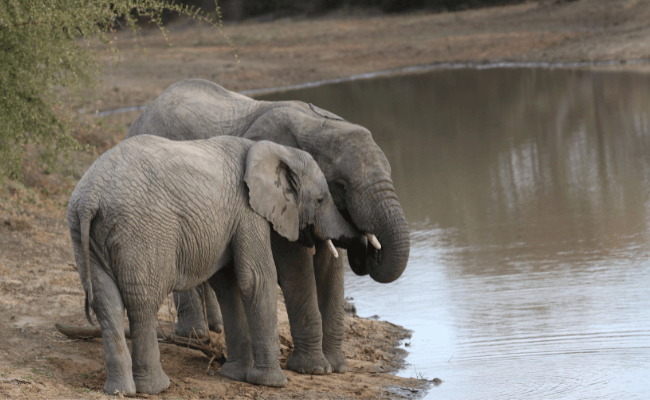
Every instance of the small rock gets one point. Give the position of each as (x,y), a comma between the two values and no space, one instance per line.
(349,308)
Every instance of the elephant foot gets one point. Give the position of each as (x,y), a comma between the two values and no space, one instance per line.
(124,385)
(185,327)
(337,361)
(273,377)
(216,327)
(152,383)
(215,321)
(236,370)
(307,363)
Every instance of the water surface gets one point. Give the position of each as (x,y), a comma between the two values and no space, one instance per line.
(527,192)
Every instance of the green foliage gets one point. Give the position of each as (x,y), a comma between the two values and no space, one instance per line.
(46,60)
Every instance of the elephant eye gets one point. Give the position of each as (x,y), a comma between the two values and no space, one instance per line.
(320,201)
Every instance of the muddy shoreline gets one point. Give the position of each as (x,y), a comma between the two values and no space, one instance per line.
(617,65)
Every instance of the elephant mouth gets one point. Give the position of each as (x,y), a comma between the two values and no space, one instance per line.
(306,236)
(361,248)
(357,241)
(309,235)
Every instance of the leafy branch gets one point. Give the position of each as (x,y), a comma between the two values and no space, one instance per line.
(48,60)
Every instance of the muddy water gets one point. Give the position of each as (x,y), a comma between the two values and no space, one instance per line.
(528,196)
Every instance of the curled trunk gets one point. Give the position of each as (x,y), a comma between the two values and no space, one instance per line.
(384,218)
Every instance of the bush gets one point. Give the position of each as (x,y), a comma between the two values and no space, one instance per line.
(46,61)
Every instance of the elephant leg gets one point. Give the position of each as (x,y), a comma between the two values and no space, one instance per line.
(189,308)
(296,277)
(238,341)
(109,310)
(330,289)
(257,281)
(148,374)
(215,320)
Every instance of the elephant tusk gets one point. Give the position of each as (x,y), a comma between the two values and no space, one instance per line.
(331,247)
(313,250)
(373,240)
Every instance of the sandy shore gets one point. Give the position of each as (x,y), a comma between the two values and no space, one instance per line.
(39,285)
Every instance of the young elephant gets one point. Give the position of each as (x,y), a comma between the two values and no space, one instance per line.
(153,216)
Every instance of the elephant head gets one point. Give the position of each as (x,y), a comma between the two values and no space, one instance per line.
(358,176)
(287,187)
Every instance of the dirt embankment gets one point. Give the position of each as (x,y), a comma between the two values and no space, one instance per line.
(39,285)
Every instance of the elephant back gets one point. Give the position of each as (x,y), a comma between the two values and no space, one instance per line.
(195,109)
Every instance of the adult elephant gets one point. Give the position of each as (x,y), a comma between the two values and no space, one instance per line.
(358,176)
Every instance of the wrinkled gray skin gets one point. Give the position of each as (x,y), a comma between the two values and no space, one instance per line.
(153,216)
(358,175)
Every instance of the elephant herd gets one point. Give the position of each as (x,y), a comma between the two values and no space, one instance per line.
(217,194)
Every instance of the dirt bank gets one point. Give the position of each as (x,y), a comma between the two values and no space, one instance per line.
(39,285)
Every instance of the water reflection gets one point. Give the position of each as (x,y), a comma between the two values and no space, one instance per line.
(527,191)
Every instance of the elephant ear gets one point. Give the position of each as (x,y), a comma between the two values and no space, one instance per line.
(273,179)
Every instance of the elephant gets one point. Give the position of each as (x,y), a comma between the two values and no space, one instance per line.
(152,216)
(359,179)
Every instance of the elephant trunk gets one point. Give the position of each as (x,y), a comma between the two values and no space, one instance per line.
(384,219)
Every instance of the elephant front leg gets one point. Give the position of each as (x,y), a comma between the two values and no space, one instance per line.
(257,282)
(191,318)
(330,287)
(296,277)
(238,342)
(189,309)
(215,320)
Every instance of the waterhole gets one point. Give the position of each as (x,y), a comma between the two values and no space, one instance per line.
(527,193)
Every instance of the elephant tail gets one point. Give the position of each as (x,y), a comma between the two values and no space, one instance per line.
(84,225)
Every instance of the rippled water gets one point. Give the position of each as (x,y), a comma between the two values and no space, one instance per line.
(528,195)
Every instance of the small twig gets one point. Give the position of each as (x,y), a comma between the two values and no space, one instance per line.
(449,361)
(418,375)
(15,380)
(355,331)
(210,363)
(83,332)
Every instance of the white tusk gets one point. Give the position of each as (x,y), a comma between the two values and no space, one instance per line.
(331,247)
(313,250)
(373,240)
